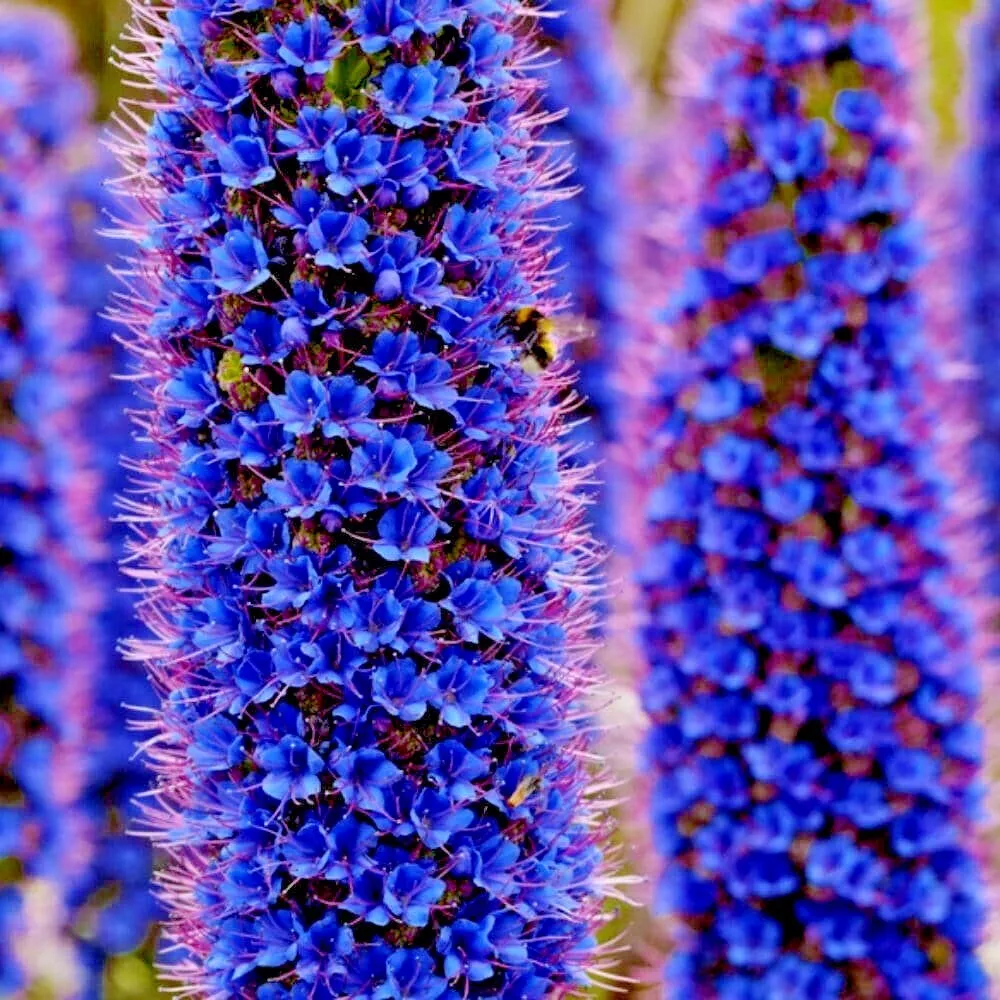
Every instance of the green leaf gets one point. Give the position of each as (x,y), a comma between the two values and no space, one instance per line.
(347,74)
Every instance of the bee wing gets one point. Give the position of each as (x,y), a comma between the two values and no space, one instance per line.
(573,329)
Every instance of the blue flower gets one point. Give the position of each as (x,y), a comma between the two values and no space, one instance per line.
(401,271)
(410,976)
(473,155)
(469,235)
(314,130)
(811,686)
(349,405)
(405,174)
(325,942)
(352,160)
(244,161)
(467,951)
(310,45)
(792,150)
(69,758)
(384,464)
(458,691)
(410,892)
(370,594)
(291,769)
(384,22)
(400,690)
(261,338)
(751,938)
(240,262)
(303,405)
(436,819)
(362,776)
(303,492)
(480,606)
(405,533)
(410,96)
(338,238)
(454,769)
(857,110)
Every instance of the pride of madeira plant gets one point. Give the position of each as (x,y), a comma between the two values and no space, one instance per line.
(74,885)
(983,263)
(811,686)
(588,90)
(369,587)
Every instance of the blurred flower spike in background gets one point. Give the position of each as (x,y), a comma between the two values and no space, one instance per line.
(811,679)
(76,888)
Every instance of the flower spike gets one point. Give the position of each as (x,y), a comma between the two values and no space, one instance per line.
(812,684)
(369,581)
(65,758)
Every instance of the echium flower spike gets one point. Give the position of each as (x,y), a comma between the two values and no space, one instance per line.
(60,830)
(811,683)
(589,91)
(983,265)
(370,585)
(121,868)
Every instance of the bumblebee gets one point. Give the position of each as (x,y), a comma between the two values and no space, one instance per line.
(541,337)
(535,333)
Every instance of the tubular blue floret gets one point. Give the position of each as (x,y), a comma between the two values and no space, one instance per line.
(812,687)
(61,817)
(369,581)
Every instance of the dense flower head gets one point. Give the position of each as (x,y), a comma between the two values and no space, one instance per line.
(62,801)
(370,586)
(811,683)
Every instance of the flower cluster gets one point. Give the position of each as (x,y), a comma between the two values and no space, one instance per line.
(810,685)
(369,580)
(59,825)
(983,264)
(588,89)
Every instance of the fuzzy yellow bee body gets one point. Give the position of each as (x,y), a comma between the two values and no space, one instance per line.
(540,337)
